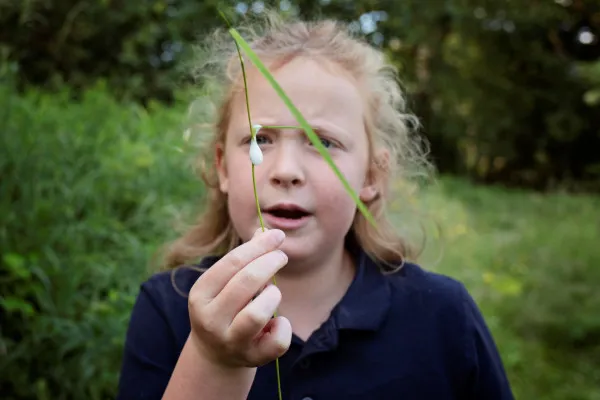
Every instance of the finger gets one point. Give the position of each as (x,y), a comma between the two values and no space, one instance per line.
(257,232)
(253,318)
(240,289)
(216,277)
(274,341)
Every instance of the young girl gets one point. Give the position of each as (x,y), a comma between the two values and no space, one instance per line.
(355,319)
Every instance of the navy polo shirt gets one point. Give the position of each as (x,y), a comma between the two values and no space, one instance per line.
(411,335)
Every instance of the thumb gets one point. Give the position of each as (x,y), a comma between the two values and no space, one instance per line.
(257,232)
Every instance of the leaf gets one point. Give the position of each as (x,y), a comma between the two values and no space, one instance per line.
(16,265)
(12,304)
(592,97)
(301,120)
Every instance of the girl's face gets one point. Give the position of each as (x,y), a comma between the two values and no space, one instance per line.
(298,192)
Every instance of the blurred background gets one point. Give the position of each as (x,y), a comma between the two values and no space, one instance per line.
(95,170)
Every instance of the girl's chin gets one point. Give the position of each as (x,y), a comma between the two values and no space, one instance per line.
(301,251)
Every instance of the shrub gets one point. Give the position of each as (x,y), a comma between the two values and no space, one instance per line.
(86,192)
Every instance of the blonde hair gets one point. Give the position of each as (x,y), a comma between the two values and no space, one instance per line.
(387,123)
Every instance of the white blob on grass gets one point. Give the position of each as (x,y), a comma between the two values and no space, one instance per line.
(256,155)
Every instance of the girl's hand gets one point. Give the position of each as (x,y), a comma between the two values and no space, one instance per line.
(229,328)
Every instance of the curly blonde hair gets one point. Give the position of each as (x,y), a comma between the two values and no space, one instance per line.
(387,123)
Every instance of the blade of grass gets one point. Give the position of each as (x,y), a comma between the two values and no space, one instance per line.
(253,135)
(301,120)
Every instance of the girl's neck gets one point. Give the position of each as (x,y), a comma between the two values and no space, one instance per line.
(309,296)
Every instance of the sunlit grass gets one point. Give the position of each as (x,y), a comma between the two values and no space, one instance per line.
(530,260)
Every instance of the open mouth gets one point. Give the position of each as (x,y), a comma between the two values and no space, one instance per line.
(286,216)
(288,213)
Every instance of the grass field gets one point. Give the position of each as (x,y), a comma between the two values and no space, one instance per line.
(532,262)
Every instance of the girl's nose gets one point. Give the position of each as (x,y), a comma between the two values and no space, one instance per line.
(286,166)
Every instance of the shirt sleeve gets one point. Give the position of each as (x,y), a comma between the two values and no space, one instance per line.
(487,379)
(149,356)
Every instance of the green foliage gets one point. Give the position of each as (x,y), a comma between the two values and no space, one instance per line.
(531,262)
(88,188)
(136,47)
(591,73)
(495,86)
(502,88)
(86,192)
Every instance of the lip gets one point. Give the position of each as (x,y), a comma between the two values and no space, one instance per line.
(285,223)
(275,222)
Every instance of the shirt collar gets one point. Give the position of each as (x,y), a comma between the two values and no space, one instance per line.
(367,301)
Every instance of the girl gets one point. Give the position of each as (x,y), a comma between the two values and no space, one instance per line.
(355,319)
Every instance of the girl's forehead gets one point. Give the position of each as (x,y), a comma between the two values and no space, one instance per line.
(318,91)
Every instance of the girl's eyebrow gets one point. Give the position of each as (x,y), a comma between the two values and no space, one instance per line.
(317,126)
(325,127)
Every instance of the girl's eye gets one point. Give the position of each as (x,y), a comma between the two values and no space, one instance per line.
(327,143)
(261,139)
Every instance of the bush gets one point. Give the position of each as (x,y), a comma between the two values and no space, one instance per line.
(86,196)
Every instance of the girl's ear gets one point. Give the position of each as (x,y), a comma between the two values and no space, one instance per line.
(375,177)
(221,168)
(368,194)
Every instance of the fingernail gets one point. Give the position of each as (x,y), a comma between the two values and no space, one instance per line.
(284,256)
(279,235)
